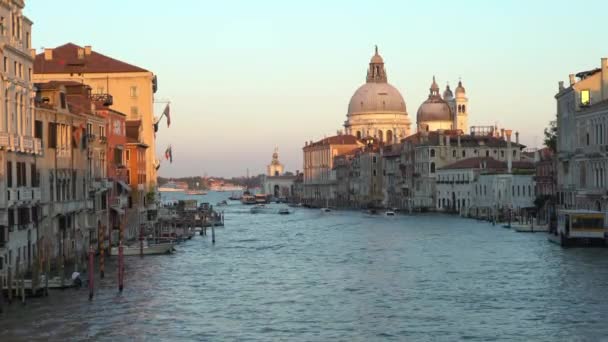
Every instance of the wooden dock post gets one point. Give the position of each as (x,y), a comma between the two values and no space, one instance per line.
(141,242)
(1,292)
(10,284)
(47,272)
(23,287)
(120,267)
(91,272)
(102,266)
(213,234)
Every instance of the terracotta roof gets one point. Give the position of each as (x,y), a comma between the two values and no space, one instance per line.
(55,84)
(65,60)
(337,140)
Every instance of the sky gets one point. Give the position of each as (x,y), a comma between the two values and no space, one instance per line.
(244,77)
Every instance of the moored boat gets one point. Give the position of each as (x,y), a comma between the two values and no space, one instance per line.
(248,199)
(195,192)
(148,249)
(259,208)
(389,213)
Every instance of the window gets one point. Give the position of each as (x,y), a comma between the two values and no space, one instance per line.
(5,64)
(585,97)
(9,174)
(117,156)
(514,153)
(52,135)
(62,99)
(15,68)
(432,167)
(102,130)
(502,153)
(464,153)
(127,156)
(374,159)
(454,153)
(134,91)
(374,172)
(38,129)
(134,111)
(432,153)
(487,153)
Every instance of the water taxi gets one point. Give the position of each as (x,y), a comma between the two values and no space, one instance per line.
(284,211)
(580,228)
(248,199)
(259,208)
(389,213)
(148,249)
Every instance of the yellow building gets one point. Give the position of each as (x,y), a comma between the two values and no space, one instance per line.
(131,88)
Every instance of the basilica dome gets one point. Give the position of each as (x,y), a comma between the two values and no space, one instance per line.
(376,97)
(434,108)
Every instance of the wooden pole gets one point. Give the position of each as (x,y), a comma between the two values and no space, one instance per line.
(61,266)
(1,292)
(213,234)
(120,267)
(23,287)
(91,272)
(102,251)
(47,271)
(10,284)
(141,242)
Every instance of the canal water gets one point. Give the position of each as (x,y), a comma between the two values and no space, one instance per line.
(340,276)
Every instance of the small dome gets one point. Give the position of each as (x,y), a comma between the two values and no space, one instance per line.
(376,58)
(376,97)
(460,90)
(434,108)
(447,93)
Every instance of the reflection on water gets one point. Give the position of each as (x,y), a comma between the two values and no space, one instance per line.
(337,276)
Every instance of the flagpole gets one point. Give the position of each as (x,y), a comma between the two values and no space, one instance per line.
(163,114)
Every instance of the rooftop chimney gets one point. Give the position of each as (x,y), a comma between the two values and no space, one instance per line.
(502,133)
(33,53)
(572,79)
(458,140)
(509,153)
(80,53)
(48,54)
(87,50)
(560,85)
(517,137)
(440,132)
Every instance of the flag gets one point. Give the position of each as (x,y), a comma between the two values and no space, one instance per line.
(76,134)
(167,113)
(169,154)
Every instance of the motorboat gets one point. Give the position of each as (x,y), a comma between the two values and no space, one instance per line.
(248,199)
(261,199)
(325,210)
(147,249)
(389,213)
(259,208)
(222,203)
(284,211)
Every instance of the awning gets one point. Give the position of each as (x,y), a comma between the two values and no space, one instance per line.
(124,185)
(118,210)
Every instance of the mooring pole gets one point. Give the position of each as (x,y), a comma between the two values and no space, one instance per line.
(213,234)
(120,267)
(141,242)
(91,272)
(10,284)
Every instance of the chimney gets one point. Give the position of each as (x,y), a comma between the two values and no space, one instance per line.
(440,132)
(48,54)
(572,79)
(33,53)
(447,140)
(517,138)
(502,133)
(509,153)
(87,50)
(560,85)
(458,140)
(80,53)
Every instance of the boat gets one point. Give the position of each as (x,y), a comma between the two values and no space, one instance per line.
(148,249)
(234,197)
(326,208)
(195,192)
(222,203)
(580,228)
(261,199)
(389,213)
(284,211)
(248,199)
(259,208)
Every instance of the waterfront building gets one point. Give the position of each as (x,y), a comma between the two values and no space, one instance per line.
(502,190)
(63,111)
(132,87)
(447,113)
(367,176)
(428,151)
(140,200)
(392,176)
(546,184)
(19,148)
(377,108)
(276,182)
(582,137)
(318,165)
(116,172)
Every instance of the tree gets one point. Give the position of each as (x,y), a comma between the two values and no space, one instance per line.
(551,136)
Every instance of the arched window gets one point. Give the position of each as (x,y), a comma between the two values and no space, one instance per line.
(464,153)
(358,134)
(454,153)
(487,153)
(380,136)
(432,153)
(432,167)
(389,136)
(514,153)
(464,108)
(502,153)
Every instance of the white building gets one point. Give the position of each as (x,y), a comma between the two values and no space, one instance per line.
(275,182)
(582,140)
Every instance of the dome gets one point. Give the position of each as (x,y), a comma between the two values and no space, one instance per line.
(460,91)
(447,93)
(434,108)
(376,97)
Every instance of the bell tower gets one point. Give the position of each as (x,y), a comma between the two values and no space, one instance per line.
(462,108)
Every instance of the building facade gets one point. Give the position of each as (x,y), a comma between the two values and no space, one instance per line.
(582,137)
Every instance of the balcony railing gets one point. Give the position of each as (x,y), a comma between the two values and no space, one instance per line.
(12,195)
(15,142)
(119,202)
(36,195)
(103,139)
(4,140)
(106,99)
(27,143)
(37,146)
(24,194)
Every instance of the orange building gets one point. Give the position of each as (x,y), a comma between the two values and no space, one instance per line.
(135,159)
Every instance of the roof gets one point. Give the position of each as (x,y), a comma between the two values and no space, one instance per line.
(344,139)
(65,60)
(55,84)
(466,140)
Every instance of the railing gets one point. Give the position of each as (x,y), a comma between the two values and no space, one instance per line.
(27,143)
(15,142)
(103,139)
(12,195)
(91,137)
(36,195)
(4,139)
(37,146)
(66,207)
(119,202)
(25,194)
(106,99)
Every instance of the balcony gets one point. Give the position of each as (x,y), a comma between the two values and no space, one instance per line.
(91,137)
(4,140)
(24,194)
(106,99)
(90,204)
(36,195)
(103,139)
(37,146)
(119,202)
(12,196)
(27,144)
(67,207)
